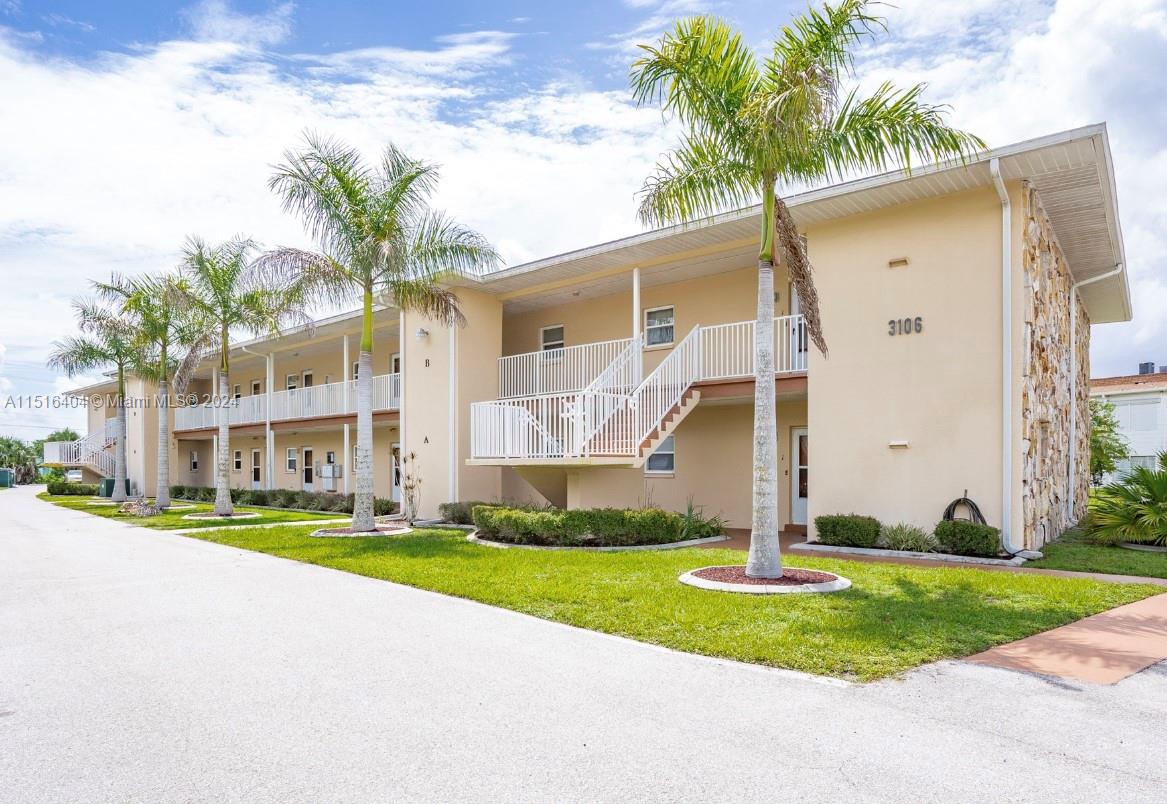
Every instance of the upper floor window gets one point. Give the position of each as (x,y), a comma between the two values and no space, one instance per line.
(551,338)
(664,459)
(256,387)
(293,382)
(237,391)
(395,363)
(658,326)
(356,370)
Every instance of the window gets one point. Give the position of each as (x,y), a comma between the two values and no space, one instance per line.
(551,338)
(292,459)
(194,460)
(356,370)
(238,460)
(236,391)
(658,326)
(664,459)
(256,387)
(307,379)
(292,382)
(395,363)
(1144,416)
(330,457)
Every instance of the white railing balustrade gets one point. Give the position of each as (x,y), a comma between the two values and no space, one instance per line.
(556,371)
(90,451)
(612,414)
(301,403)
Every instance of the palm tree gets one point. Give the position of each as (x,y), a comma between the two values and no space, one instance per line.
(376,234)
(225,291)
(162,326)
(752,124)
(106,342)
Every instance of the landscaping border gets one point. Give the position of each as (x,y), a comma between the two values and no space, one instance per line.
(815,547)
(1143,548)
(331,533)
(690,578)
(476,539)
(207,516)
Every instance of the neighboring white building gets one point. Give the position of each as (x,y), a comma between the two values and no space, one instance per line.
(1140,404)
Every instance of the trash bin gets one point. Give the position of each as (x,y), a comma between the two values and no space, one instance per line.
(7,478)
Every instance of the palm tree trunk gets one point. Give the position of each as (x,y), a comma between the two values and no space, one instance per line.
(363,519)
(162,492)
(222,470)
(765,557)
(119,447)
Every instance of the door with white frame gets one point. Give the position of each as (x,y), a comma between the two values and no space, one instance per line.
(396,472)
(256,470)
(797,338)
(799,475)
(309,469)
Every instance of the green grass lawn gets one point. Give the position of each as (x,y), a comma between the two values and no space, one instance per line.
(893,619)
(1074,552)
(173,520)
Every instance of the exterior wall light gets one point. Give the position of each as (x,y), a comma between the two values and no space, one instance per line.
(422,333)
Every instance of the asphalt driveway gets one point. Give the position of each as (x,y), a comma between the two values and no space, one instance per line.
(139,665)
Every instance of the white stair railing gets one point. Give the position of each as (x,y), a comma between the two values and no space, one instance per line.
(556,371)
(91,451)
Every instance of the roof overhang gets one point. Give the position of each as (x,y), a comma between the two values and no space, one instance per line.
(1072,172)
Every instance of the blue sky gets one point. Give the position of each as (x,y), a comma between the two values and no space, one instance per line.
(128,126)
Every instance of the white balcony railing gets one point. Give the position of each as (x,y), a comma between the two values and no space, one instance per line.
(555,371)
(613,414)
(302,403)
(92,451)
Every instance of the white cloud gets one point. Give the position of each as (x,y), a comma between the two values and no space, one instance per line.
(57,20)
(216,21)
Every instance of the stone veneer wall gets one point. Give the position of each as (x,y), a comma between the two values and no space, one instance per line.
(1045,392)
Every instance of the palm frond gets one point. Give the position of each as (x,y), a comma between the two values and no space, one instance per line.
(696,179)
(441,246)
(424,297)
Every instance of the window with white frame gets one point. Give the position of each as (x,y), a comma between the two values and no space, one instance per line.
(236,391)
(551,338)
(292,460)
(664,460)
(395,363)
(238,460)
(292,382)
(256,387)
(194,460)
(356,370)
(658,326)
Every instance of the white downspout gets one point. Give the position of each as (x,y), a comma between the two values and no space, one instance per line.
(1073,469)
(1006,364)
(636,319)
(348,450)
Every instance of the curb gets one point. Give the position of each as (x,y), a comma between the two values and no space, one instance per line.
(814,547)
(474,537)
(838,585)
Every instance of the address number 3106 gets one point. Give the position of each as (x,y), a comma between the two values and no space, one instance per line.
(905,326)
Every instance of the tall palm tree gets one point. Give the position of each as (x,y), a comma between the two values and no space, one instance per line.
(107,342)
(376,234)
(171,341)
(223,289)
(752,124)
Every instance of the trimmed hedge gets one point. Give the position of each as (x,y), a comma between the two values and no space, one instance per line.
(847,530)
(596,527)
(963,538)
(64,487)
(459,513)
(323,501)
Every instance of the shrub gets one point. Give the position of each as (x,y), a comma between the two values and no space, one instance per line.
(238,495)
(63,487)
(1133,509)
(459,513)
(178,492)
(907,537)
(597,527)
(963,538)
(207,494)
(283,498)
(383,507)
(848,530)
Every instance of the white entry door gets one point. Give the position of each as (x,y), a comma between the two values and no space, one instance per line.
(256,470)
(396,472)
(309,469)
(799,475)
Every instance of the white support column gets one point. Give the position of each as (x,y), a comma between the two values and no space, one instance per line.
(401,409)
(268,442)
(636,317)
(348,456)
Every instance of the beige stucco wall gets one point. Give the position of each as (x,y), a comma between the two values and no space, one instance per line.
(478,346)
(713,465)
(938,390)
(427,414)
(719,299)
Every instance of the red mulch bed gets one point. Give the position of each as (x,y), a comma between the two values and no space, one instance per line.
(790,577)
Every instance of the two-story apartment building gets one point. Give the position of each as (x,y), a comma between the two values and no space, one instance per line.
(956,300)
(1140,406)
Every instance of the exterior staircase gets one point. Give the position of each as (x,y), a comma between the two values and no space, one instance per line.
(94,452)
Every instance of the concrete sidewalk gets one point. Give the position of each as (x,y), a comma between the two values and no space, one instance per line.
(140,665)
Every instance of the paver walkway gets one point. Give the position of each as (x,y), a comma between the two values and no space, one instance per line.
(1103,649)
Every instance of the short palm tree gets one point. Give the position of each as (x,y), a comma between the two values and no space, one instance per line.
(752,124)
(377,234)
(171,342)
(106,342)
(1133,509)
(223,290)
